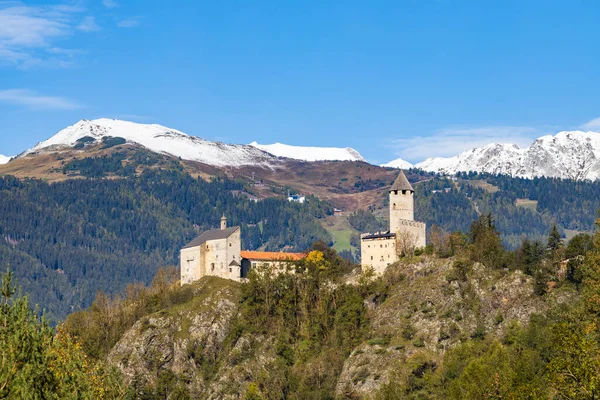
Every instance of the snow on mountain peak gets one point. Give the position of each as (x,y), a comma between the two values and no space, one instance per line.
(160,139)
(4,159)
(568,155)
(310,153)
(398,163)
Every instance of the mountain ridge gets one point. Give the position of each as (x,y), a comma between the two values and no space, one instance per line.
(566,155)
(159,139)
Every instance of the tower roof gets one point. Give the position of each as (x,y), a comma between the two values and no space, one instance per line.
(402,183)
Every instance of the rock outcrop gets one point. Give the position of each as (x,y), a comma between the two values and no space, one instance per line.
(431,306)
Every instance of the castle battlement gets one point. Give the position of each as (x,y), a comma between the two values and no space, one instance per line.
(405,222)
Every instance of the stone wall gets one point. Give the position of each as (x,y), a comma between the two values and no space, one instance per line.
(414,228)
(234,247)
(191,265)
(401,208)
(378,253)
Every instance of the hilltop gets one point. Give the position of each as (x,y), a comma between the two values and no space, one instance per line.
(220,339)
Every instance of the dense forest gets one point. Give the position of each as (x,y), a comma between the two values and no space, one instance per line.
(70,239)
(521,207)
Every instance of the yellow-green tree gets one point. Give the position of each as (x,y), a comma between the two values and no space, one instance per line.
(38,363)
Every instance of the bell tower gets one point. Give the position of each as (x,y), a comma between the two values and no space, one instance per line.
(402,202)
(223,222)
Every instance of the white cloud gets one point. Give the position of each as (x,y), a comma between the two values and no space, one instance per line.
(593,125)
(449,142)
(25,31)
(33,100)
(109,3)
(129,22)
(67,52)
(88,24)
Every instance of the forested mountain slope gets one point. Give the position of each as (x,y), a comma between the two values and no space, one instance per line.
(67,240)
(120,212)
(521,207)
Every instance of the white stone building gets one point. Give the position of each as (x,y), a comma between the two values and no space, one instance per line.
(380,249)
(215,252)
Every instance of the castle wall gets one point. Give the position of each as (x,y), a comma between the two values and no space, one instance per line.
(274,266)
(401,208)
(234,247)
(378,253)
(191,265)
(416,231)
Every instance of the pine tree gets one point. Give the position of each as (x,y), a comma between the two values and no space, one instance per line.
(554,240)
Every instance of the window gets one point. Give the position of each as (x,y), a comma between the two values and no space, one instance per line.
(371,257)
(212,266)
(229,269)
(229,244)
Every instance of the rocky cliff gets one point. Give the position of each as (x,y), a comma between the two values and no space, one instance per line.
(428,306)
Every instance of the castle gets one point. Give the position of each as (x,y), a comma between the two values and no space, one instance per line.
(380,249)
(217,252)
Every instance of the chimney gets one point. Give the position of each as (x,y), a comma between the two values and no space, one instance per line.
(223,222)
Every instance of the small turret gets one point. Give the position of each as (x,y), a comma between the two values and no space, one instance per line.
(223,222)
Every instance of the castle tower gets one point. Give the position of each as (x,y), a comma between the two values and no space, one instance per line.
(223,222)
(402,202)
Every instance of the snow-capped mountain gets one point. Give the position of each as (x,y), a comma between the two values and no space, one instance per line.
(569,155)
(4,159)
(398,163)
(159,139)
(310,153)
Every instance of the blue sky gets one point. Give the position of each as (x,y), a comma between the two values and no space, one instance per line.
(408,79)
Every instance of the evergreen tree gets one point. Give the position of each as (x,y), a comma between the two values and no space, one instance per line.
(36,363)
(554,241)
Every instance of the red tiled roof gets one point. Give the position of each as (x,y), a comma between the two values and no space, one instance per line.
(271,255)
